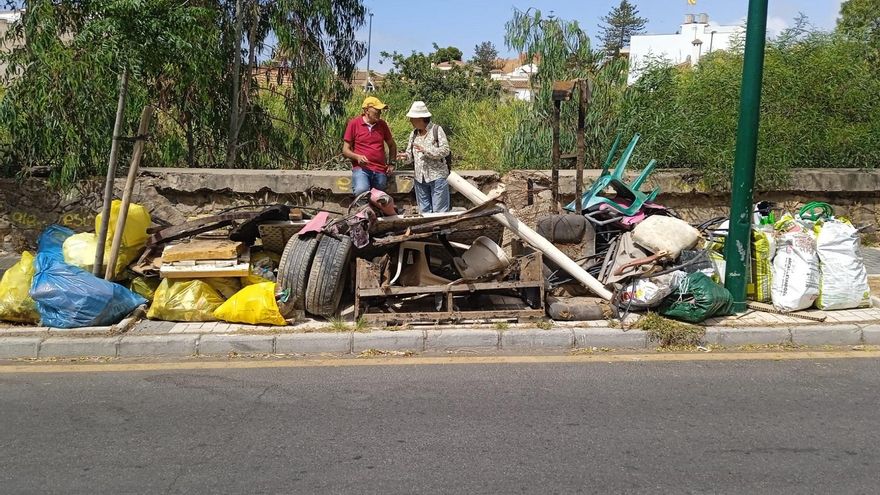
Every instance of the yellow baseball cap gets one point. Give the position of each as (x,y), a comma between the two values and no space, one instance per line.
(372,101)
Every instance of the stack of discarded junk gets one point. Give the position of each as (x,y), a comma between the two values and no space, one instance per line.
(275,265)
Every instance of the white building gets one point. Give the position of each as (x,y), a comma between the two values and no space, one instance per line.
(696,38)
(517,82)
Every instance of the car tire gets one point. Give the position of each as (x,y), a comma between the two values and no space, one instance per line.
(293,272)
(328,276)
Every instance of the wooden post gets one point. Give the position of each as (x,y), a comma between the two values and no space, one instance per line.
(555,154)
(583,100)
(111,175)
(137,153)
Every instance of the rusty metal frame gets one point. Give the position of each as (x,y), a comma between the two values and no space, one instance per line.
(369,287)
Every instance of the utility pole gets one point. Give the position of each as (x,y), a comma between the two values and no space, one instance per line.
(369,84)
(737,247)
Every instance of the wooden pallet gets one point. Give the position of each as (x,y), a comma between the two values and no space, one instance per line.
(460,301)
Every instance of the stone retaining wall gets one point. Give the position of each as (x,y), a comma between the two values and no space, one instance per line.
(174,195)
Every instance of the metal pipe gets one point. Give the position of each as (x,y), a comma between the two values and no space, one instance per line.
(136,154)
(737,247)
(584,93)
(555,154)
(97,269)
(536,240)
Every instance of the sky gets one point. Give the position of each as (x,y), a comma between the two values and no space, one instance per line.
(407,25)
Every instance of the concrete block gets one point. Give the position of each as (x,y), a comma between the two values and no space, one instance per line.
(79,346)
(81,331)
(614,338)
(152,327)
(827,335)
(871,334)
(462,339)
(537,339)
(224,344)
(313,343)
(387,340)
(733,336)
(157,345)
(19,347)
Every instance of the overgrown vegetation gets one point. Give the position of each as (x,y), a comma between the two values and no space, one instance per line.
(818,106)
(670,333)
(226,97)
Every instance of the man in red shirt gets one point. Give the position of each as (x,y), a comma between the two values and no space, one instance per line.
(364,144)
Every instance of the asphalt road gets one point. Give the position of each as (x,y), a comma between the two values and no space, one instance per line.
(676,427)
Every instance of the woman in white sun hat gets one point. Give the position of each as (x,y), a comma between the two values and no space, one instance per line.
(428,150)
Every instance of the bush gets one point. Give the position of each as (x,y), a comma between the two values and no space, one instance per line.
(817,110)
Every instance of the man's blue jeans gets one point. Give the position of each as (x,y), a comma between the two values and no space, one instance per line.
(433,197)
(362,180)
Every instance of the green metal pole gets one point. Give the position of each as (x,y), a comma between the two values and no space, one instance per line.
(739,239)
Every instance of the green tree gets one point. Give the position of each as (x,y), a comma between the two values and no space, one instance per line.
(485,56)
(318,52)
(621,23)
(60,102)
(196,61)
(448,54)
(414,78)
(860,21)
(565,53)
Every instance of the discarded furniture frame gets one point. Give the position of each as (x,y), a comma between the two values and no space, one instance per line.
(635,198)
(378,303)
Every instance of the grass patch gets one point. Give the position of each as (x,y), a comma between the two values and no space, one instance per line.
(339,325)
(544,325)
(670,333)
(360,325)
(501,325)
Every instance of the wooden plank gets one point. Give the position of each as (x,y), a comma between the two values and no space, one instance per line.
(200,249)
(204,271)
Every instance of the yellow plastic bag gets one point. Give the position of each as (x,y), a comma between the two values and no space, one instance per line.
(255,304)
(184,300)
(145,286)
(136,224)
(15,303)
(79,250)
(226,286)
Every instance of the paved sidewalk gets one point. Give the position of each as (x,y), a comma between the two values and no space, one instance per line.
(145,338)
(197,342)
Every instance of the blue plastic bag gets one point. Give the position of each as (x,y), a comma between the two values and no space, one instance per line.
(51,241)
(70,297)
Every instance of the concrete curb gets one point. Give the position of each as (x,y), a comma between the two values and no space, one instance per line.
(446,340)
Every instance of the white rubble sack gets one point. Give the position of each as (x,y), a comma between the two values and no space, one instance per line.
(843,282)
(661,233)
(795,280)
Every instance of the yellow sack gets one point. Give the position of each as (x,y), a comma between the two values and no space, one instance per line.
(145,286)
(79,250)
(136,224)
(184,300)
(15,303)
(226,286)
(255,304)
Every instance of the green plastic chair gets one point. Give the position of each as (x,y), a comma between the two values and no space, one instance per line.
(614,180)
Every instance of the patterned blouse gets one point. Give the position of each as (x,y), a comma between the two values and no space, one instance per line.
(430,164)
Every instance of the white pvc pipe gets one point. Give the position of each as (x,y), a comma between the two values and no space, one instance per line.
(536,240)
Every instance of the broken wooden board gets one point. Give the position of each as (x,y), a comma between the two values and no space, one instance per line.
(204,271)
(240,267)
(200,249)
